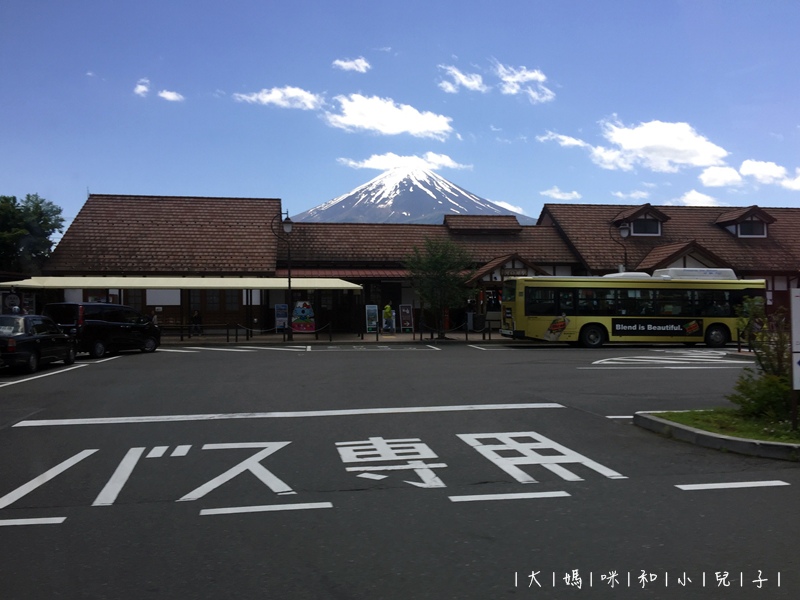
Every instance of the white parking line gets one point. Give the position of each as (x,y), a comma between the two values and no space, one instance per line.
(264,508)
(42,521)
(281,348)
(733,484)
(519,496)
(283,415)
(42,375)
(162,349)
(217,349)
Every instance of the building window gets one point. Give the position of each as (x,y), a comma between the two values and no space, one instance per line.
(752,228)
(646,226)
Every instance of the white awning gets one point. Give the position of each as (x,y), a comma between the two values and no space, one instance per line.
(181,283)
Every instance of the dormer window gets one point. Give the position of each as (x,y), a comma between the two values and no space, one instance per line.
(646,225)
(752,228)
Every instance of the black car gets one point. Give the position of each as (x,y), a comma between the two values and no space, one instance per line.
(26,341)
(98,327)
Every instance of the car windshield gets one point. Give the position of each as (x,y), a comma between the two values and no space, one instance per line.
(11,325)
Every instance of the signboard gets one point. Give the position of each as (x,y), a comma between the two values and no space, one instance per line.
(372,317)
(281,317)
(644,326)
(303,317)
(406,318)
(795,316)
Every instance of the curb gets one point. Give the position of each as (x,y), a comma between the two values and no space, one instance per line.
(716,441)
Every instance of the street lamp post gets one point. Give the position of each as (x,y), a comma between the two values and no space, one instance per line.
(287,229)
(624,231)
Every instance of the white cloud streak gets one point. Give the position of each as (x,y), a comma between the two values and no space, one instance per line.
(284,97)
(142,87)
(469,81)
(359,65)
(390,160)
(557,194)
(171,96)
(695,198)
(763,172)
(521,80)
(720,177)
(384,116)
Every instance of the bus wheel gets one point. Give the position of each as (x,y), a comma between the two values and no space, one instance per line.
(716,336)
(593,336)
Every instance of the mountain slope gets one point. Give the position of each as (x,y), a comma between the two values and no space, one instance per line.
(404,196)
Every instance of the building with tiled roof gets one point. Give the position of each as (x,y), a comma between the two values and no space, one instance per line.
(236,237)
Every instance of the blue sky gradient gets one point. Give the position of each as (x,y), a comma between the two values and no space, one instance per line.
(519,102)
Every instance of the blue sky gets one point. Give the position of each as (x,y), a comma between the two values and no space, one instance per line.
(519,102)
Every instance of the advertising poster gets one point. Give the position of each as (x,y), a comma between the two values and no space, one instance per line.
(406,318)
(281,316)
(303,317)
(372,318)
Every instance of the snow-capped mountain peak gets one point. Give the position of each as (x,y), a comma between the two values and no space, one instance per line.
(402,195)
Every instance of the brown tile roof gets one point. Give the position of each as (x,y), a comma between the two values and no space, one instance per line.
(740,214)
(663,256)
(159,235)
(589,230)
(482,223)
(388,244)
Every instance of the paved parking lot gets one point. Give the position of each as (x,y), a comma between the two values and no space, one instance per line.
(363,471)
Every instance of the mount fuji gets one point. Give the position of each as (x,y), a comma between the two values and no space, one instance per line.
(404,196)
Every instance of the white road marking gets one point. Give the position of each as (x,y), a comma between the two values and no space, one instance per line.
(283,415)
(182,351)
(42,375)
(643,368)
(519,496)
(181,450)
(279,348)
(216,349)
(619,416)
(22,490)
(42,521)
(102,360)
(733,484)
(111,490)
(264,508)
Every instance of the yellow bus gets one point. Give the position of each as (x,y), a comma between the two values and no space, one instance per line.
(672,305)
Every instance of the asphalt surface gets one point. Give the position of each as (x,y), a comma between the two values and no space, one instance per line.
(257,471)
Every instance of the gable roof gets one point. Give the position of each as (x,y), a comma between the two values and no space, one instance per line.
(162,235)
(741,214)
(634,212)
(589,230)
(667,254)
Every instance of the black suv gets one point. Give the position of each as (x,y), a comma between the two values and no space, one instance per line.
(99,328)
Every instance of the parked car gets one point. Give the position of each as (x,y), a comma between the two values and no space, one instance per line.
(99,327)
(27,341)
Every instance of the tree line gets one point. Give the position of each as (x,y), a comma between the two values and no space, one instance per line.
(26,229)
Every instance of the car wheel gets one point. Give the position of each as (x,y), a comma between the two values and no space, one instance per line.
(716,336)
(69,359)
(593,336)
(149,345)
(98,349)
(32,364)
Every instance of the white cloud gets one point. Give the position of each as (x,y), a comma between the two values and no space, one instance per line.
(285,97)
(792,184)
(720,177)
(655,145)
(564,141)
(390,160)
(557,194)
(142,87)
(664,147)
(360,65)
(514,81)
(171,96)
(384,116)
(763,172)
(634,195)
(695,198)
(470,81)
(507,206)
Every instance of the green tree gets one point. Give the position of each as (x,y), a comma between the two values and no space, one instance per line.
(26,228)
(439,273)
(766,391)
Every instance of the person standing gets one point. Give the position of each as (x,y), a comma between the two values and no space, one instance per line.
(388,317)
(195,324)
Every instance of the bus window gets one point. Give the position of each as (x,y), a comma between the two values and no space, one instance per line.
(566,302)
(637,301)
(674,302)
(599,302)
(714,303)
(540,301)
